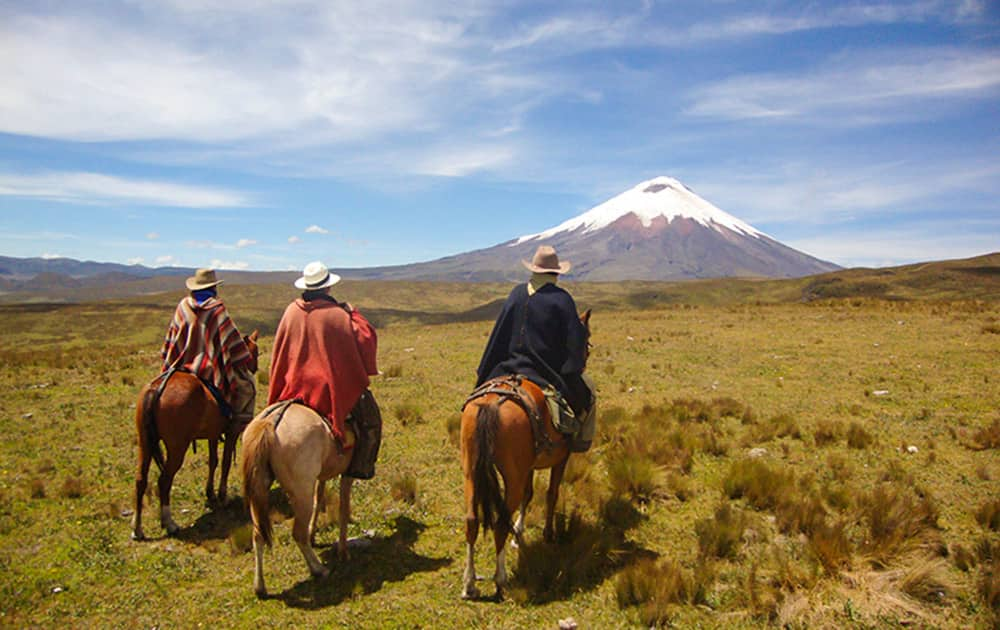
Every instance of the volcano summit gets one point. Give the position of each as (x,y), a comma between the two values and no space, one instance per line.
(658,230)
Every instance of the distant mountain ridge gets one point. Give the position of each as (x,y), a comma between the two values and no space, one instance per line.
(657,230)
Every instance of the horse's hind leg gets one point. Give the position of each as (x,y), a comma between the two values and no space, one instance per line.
(141,481)
(228,450)
(345,517)
(319,506)
(551,497)
(529,491)
(514,485)
(302,505)
(213,463)
(175,457)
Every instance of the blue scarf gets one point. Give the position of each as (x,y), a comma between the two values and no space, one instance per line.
(202,295)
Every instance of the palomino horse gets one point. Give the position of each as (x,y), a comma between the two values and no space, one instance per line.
(497,436)
(293,444)
(185,411)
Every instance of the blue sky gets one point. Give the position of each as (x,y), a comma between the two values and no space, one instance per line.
(264,134)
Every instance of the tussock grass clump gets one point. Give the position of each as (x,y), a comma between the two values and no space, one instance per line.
(988,587)
(963,559)
(928,581)
(988,515)
(403,487)
(680,486)
(73,488)
(831,546)
(633,474)
(656,588)
(988,437)
(408,413)
(453,425)
(241,539)
(763,486)
(857,437)
(827,432)
(393,371)
(894,517)
(720,536)
(37,489)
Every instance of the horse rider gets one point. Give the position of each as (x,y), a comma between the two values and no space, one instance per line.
(204,340)
(539,335)
(324,351)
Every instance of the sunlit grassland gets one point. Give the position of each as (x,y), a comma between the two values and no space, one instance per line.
(825,463)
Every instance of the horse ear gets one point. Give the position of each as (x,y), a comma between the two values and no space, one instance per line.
(254,335)
(585,318)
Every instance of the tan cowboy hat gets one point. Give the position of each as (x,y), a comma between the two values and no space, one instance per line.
(546,261)
(202,279)
(316,276)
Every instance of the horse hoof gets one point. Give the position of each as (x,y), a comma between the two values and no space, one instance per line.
(470,592)
(137,536)
(261,593)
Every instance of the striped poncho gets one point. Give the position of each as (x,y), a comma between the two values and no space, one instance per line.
(203,339)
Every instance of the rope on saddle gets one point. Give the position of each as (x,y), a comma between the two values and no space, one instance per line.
(509,388)
(281,407)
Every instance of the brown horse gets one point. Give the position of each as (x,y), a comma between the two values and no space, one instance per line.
(295,446)
(184,412)
(499,437)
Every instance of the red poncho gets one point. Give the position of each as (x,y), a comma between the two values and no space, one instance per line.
(322,354)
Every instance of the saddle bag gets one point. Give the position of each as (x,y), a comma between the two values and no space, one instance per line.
(366,422)
(563,418)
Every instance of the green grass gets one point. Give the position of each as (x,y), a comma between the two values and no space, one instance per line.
(832,522)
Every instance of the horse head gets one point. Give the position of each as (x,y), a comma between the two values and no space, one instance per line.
(585,320)
(251,341)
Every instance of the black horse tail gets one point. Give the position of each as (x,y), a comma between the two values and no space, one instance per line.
(151,435)
(487,498)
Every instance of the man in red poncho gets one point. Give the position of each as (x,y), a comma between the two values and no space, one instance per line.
(204,340)
(324,350)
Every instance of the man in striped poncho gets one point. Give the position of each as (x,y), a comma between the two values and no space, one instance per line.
(204,340)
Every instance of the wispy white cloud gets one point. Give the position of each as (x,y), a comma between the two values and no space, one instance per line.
(97,188)
(136,260)
(293,240)
(245,242)
(166,260)
(854,89)
(228,264)
(152,236)
(315,229)
(50,256)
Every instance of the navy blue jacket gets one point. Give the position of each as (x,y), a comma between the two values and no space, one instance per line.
(542,338)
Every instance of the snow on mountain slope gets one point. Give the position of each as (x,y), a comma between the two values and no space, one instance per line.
(659,197)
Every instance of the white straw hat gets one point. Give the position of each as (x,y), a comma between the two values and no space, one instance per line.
(316,276)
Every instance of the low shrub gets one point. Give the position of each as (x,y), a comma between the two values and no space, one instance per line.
(894,518)
(655,588)
(719,536)
(988,437)
(988,515)
(633,474)
(857,437)
(763,486)
(928,581)
(827,432)
(403,487)
(408,413)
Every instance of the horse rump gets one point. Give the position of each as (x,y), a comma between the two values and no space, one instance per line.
(258,439)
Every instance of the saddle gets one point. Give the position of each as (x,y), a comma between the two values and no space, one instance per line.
(509,388)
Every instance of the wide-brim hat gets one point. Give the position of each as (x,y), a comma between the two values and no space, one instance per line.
(546,261)
(202,279)
(316,276)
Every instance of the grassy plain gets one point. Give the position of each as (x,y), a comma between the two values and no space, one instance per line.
(761,461)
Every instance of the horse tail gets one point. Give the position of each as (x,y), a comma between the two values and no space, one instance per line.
(258,439)
(487,499)
(149,433)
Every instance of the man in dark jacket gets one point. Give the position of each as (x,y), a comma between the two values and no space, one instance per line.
(539,335)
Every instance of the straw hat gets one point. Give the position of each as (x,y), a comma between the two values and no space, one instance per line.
(316,276)
(202,279)
(546,261)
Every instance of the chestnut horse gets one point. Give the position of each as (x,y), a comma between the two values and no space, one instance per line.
(185,411)
(499,437)
(292,443)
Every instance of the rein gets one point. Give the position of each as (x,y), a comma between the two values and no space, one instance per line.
(509,388)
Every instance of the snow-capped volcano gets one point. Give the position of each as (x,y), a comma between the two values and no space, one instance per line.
(658,230)
(661,197)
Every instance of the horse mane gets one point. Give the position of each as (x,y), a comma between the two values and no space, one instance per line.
(488,498)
